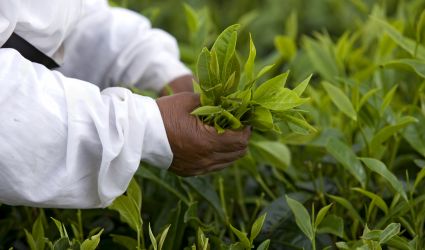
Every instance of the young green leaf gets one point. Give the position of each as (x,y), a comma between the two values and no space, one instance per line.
(128,210)
(387,99)
(340,100)
(124,241)
(271,85)
(302,86)
(331,224)
(256,227)
(271,152)
(380,168)
(163,236)
(265,70)
(378,200)
(389,232)
(264,245)
(135,193)
(241,236)
(92,242)
(249,65)
(207,110)
(286,47)
(152,238)
(385,133)
(225,44)
(347,205)
(415,65)
(302,217)
(321,215)
(404,42)
(191,18)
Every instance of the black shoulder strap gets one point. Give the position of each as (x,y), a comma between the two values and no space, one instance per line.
(28,51)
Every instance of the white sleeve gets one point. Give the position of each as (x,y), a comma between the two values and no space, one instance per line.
(112,46)
(66,144)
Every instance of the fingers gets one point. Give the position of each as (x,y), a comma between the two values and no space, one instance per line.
(229,141)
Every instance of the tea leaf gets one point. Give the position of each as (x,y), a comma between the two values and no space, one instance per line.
(299,122)
(124,241)
(152,238)
(271,152)
(389,232)
(419,178)
(135,193)
(92,242)
(420,27)
(366,97)
(286,47)
(203,70)
(261,118)
(321,58)
(385,133)
(340,100)
(148,174)
(256,227)
(241,236)
(38,232)
(30,240)
(387,99)
(302,86)
(321,215)
(207,110)
(415,135)
(128,210)
(225,44)
(163,236)
(344,155)
(346,204)
(264,245)
(265,70)
(378,200)
(191,18)
(207,192)
(249,65)
(380,168)
(415,65)
(302,217)
(405,43)
(271,85)
(332,224)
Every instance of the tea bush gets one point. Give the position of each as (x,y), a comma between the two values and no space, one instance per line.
(351,180)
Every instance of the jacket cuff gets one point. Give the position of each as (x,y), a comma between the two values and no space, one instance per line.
(156,149)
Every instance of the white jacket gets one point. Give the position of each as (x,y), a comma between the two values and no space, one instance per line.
(63,141)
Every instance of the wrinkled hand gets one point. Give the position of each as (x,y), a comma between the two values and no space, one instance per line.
(198,148)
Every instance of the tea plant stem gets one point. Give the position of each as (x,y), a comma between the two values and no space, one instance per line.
(241,201)
(393,153)
(80,225)
(222,199)
(260,181)
(138,238)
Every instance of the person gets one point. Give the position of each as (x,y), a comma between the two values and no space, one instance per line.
(69,137)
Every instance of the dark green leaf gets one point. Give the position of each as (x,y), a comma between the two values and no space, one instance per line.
(380,168)
(302,217)
(345,155)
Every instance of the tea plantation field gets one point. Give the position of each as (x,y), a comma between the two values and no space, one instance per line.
(335,93)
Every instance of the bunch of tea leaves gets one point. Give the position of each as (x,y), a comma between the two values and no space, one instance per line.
(231,99)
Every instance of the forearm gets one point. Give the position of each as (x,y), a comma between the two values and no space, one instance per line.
(113,46)
(66,144)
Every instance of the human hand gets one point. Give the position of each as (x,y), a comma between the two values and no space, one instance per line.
(197,147)
(178,85)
